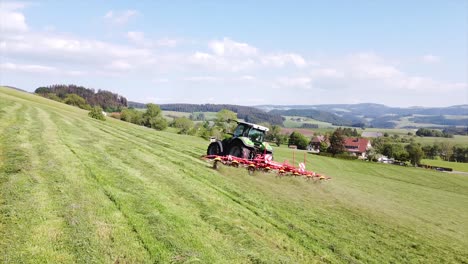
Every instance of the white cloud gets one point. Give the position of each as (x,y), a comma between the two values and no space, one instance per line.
(298,82)
(327,73)
(136,37)
(167,42)
(282,59)
(27,68)
(11,20)
(72,50)
(36,68)
(246,78)
(237,56)
(139,39)
(202,79)
(120,65)
(161,80)
(368,65)
(120,17)
(228,47)
(429,58)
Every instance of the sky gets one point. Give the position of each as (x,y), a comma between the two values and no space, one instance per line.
(397,53)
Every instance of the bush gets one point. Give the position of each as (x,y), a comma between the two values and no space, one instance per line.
(299,140)
(96,113)
(346,156)
(76,100)
(183,123)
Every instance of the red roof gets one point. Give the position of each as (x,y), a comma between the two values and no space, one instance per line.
(318,139)
(356,144)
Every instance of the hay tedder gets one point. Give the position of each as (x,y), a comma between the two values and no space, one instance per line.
(264,163)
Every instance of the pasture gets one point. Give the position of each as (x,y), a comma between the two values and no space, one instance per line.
(78,190)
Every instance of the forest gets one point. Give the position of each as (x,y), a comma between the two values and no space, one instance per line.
(249,114)
(109,101)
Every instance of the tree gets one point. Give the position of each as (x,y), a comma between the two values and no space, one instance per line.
(387,150)
(183,123)
(222,118)
(460,154)
(153,117)
(336,143)
(96,113)
(323,146)
(76,100)
(273,133)
(415,153)
(204,130)
(299,140)
(445,150)
(132,115)
(378,143)
(431,151)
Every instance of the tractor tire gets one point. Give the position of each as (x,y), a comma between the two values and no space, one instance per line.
(238,150)
(215,148)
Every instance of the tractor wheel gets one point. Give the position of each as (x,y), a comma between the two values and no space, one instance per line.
(238,150)
(215,148)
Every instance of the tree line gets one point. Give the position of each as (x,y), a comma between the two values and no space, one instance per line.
(425,132)
(152,117)
(247,113)
(108,101)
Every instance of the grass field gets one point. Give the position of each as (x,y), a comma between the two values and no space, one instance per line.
(457,166)
(78,190)
(290,123)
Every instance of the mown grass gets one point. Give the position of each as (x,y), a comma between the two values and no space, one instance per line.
(78,190)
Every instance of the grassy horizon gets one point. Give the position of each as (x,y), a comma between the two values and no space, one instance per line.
(78,190)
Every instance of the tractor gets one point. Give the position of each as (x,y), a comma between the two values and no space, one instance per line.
(246,142)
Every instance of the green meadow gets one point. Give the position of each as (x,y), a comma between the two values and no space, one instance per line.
(77,190)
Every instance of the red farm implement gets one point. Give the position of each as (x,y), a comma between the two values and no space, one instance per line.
(264,163)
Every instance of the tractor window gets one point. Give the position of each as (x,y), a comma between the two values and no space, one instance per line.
(239,131)
(256,135)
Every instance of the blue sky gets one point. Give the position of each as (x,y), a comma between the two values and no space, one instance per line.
(399,53)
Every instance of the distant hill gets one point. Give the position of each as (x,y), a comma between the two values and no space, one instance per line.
(375,115)
(315,114)
(374,110)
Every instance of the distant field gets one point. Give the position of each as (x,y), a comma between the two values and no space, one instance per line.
(404,121)
(289,123)
(456,140)
(78,190)
(446,164)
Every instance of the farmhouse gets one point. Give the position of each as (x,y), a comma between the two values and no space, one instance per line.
(357,146)
(314,145)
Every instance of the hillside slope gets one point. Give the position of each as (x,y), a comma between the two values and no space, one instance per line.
(78,190)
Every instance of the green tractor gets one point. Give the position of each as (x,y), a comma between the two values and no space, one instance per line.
(246,142)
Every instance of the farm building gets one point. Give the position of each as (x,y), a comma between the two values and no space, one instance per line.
(314,145)
(357,146)
(368,134)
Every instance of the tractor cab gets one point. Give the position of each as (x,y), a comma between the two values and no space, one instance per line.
(254,132)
